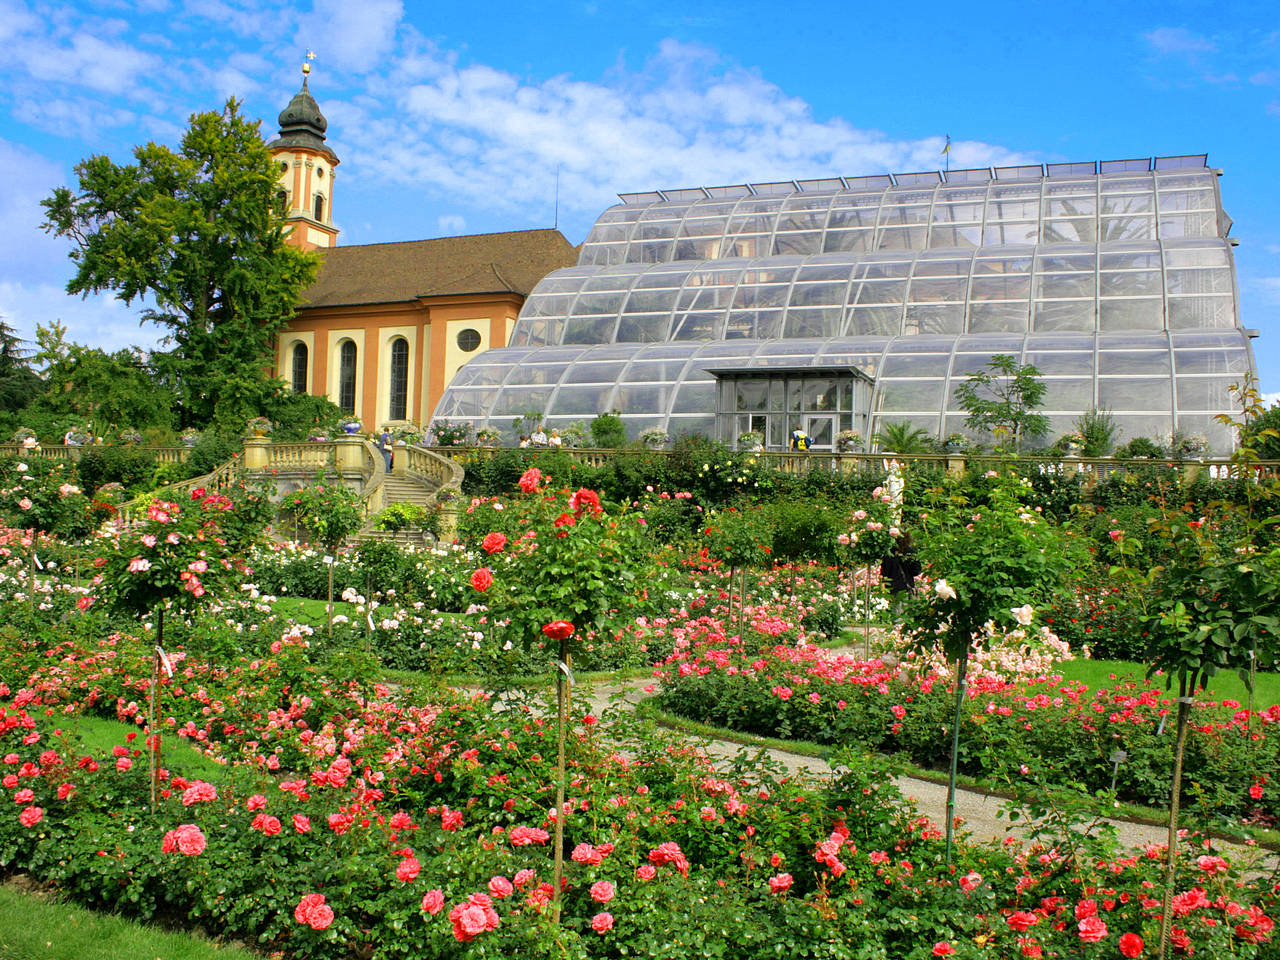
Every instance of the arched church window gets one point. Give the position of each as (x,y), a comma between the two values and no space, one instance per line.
(399,391)
(298,379)
(347,376)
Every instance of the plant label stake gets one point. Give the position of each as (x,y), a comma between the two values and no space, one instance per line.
(1117,757)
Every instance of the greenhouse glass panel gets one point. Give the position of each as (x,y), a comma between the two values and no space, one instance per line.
(1131,315)
(902,238)
(519,400)
(1131,283)
(1194,254)
(490,375)
(933,318)
(915,365)
(874,321)
(642,328)
(1133,394)
(645,398)
(694,397)
(997,317)
(1224,361)
(583,401)
(1007,233)
(535,374)
(1200,312)
(1067,394)
(1001,287)
(1212,280)
(587,372)
(589,329)
(1203,393)
(1064,315)
(1154,426)
(464,403)
(1070,231)
(1141,362)
(1116,229)
(910,395)
(1063,285)
(1058,364)
(812,322)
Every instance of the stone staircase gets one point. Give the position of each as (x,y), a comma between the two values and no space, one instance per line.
(400,489)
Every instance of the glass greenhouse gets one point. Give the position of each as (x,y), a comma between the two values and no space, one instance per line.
(844,304)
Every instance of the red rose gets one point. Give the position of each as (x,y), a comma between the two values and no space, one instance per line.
(585,499)
(1022,920)
(1092,929)
(558,630)
(313,911)
(482,579)
(1131,944)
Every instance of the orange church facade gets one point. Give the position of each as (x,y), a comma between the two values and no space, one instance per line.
(385,326)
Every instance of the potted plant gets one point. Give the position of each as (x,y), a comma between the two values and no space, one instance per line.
(655,438)
(848,441)
(260,427)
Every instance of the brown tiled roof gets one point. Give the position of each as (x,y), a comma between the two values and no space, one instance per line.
(449,266)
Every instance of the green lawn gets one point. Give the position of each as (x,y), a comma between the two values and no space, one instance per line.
(100,735)
(38,926)
(1225,686)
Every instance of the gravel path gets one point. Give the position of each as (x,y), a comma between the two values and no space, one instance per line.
(978,810)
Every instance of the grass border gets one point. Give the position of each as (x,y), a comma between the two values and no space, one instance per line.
(1127,812)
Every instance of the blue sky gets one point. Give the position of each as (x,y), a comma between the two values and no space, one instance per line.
(453,118)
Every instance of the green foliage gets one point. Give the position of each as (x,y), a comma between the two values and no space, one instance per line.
(992,558)
(1262,436)
(1140,448)
(42,494)
(211,451)
(905,439)
(402,516)
(105,391)
(1002,401)
(298,416)
(1097,431)
(738,537)
(608,432)
(175,553)
(328,510)
(131,467)
(198,231)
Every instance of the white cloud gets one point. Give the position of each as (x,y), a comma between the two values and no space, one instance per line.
(354,36)
(688,118)
(98,320)
(1178,40)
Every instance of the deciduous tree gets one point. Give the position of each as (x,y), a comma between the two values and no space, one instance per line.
(196,231)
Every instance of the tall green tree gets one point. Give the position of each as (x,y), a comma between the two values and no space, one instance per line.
(19,384)
(197,230)
(104,390)
(1002,400)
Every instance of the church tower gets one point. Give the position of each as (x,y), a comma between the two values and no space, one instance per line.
(307,168)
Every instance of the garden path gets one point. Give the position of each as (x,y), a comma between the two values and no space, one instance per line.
(977,809)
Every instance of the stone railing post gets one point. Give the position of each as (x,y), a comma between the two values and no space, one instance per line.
(257,453)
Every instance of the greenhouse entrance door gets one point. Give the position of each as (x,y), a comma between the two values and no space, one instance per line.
(822,432)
